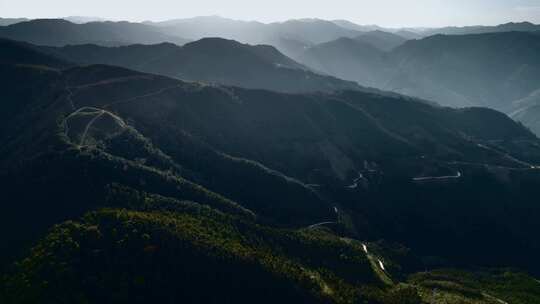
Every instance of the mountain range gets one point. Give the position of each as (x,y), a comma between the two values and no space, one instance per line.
(290,37)
(39,31)
(467,30)
(210,60)
(493,70)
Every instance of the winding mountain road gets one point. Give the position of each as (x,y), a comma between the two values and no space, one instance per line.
(321,224)
(354,185)
(69,98)
(327,222)
(438,178)
(150,94)
(100,112)
(83,137)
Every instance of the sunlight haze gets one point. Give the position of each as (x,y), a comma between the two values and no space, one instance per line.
(391,13)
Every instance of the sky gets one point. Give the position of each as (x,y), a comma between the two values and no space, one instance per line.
(390,13)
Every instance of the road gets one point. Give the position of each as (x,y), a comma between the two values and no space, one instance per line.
(526,168)
(506,155)
(377,265)
(321,224)
(69,98)
(355,181)
(381,265)
(438,178)
(327,222)
(83,137)
(91,111)
(101,112)
(494,298)
(150,94)
(364,247)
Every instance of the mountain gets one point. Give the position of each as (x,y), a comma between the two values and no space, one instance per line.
(22,53)
(527,111)
(348,58)
(9,21)
(408,35)
(313,30)
(213,26)
(490,70)
(104,33)
(212,60)
(134,187)
(466,30)
(199,248)
(309,30)
(290,37)
(382,40)
(485,69)
(357,27)
(83,19)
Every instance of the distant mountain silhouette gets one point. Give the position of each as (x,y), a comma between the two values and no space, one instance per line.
(507,27)
(313,30)
(39,31)
(357,27)
(527,111)
(83,19)
(309,30)
(9,21)
(291,37)
(212,60)
(382,40)
(409,35)
(483,69)
(348,58)
(213,26)
(417,33)
(491,70)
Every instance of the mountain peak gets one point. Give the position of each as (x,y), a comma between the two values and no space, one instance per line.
(214,41)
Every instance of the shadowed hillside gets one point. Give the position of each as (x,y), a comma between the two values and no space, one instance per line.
(160,189)
(212,60)
(494,70)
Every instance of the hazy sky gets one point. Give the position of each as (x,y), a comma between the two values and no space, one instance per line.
(382,12)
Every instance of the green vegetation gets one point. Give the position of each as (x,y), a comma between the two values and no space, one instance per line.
(190,254)
(490,286)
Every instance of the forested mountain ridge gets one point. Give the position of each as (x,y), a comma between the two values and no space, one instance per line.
(466,30)
(348,58)
(487,69)
(494,70)
(38,31)
(211,60)
(290,37)
(12,51)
